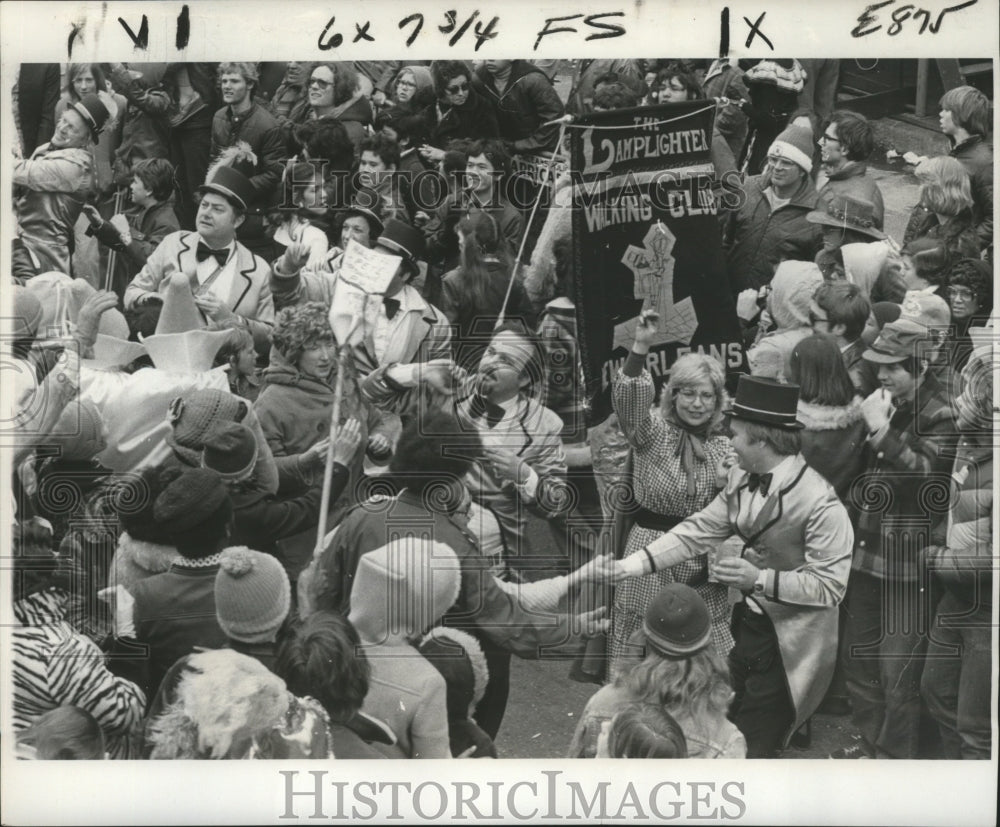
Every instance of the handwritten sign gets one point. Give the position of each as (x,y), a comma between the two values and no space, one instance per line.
(364,276)
(370,271)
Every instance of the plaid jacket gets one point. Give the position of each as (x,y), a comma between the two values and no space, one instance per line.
(903,492)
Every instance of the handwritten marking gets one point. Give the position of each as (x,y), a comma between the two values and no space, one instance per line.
(141,40)
(755,31)
(900,15)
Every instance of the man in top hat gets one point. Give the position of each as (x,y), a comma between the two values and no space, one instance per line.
(294,282)
(227,280)
(53,185)
(792,572)
(888,610)
(770,226)
(406,330)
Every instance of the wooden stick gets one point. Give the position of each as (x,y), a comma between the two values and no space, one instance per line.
(527,229)
(343,353)
(109,275)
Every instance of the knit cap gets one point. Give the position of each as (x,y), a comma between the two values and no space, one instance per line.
(796,145)
(194,415)
(190,500)
(79,432)
(252,595)
(677,623)
(231,451)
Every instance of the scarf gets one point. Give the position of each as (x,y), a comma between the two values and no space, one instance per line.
(691,449)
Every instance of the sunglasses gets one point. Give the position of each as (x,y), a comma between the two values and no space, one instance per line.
(457,88)
(322,84)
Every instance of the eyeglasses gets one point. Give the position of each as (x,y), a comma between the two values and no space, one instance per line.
(458,88)
(830,139)
(322,84)
(963,293)
(689,395)
(780,163)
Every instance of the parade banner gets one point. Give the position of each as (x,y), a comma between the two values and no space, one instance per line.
(646,236)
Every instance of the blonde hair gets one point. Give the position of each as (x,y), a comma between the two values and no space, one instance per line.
(694,686)
(688,370)
(945,188)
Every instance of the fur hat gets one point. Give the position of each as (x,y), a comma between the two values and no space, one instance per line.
(403,588)
(190,500)
(677,623)
(219,694)
(231,451)
(252,595)
(796,145)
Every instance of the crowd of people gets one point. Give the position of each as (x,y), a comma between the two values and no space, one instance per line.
(793,540)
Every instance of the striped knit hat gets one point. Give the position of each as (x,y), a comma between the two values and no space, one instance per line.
(796,145)
(252,595)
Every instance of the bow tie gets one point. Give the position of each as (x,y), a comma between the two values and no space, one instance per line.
(493,412)
(762,481)
(204,251)
(391,307)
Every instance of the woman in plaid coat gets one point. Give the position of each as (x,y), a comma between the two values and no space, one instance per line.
(676,456)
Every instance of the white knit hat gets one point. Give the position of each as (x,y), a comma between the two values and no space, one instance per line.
(795,144)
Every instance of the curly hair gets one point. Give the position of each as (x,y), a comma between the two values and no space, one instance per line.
(300,327)
(345,80)
(945,185)
(322,657)
(688,370)
(977,277)
(694,686)
(385,148)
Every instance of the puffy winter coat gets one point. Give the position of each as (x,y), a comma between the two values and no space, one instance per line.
(757,238)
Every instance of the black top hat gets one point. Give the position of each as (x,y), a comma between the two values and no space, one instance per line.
(232,185)
(93,111)
(766,402)
(404,240)
(365,203)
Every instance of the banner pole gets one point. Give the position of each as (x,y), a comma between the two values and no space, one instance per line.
(527,229)
(338,394)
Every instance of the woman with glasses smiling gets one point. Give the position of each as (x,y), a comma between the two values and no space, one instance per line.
(677,453)
(333,93)
(970,297)
(459,112)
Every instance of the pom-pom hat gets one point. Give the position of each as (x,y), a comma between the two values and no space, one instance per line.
(796,145)
(252,595)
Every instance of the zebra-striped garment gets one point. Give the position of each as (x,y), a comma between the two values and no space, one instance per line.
(54,666)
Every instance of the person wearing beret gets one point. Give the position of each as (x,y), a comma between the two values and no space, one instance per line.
(792,572)
(52,187)
(228,281)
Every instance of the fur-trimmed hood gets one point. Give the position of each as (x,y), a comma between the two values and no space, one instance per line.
(459,658)
(829,417)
